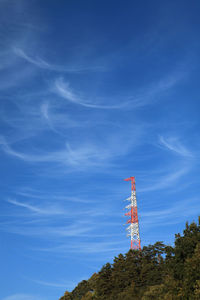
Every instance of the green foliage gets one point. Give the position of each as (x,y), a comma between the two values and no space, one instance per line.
(154,292)
(156,272)
(67,296)
(82,288)
(87,296)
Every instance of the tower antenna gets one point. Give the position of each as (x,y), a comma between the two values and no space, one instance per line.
(133,228)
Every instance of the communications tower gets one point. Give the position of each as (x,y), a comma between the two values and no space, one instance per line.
(133,228)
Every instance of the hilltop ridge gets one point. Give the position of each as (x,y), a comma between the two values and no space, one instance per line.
(156,272)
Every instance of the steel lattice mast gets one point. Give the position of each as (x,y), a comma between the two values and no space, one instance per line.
(133,228)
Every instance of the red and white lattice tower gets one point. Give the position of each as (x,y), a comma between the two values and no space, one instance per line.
(133,228)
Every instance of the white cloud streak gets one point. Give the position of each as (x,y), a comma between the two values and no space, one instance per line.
(88,247)
(48,210)
(43,64)
(62,284)
(23,297)
(63,90)
(173,214)
(87,154)
(163,182)
(38,61)
(173,144)
(147,96)
(84,155)
(49,232)
(59,120)
(44,196)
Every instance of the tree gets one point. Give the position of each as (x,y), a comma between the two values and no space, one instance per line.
(155,272)
(67,296)
(82,288)
(104,284)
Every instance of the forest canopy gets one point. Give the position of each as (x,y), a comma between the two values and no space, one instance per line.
(156,272)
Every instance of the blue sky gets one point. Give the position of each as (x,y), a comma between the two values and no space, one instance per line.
(92,92)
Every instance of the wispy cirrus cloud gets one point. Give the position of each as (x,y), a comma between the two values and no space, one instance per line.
(83,154)
(23,297)
(88,227)
(34,194)
(148,95)
(173,213)
(174,145)
(43,219)
(87,247)
(67,156)
(58,120)
(50,232)
(13,78)
(40,210)
(169,179)
(174,208)
(62,284)
(48,228)
(37,61)
(32,121)
(63,89)
(62,206)
(87,155)
(43,64)
(85,229)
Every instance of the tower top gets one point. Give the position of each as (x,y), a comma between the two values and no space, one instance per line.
(132,179)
